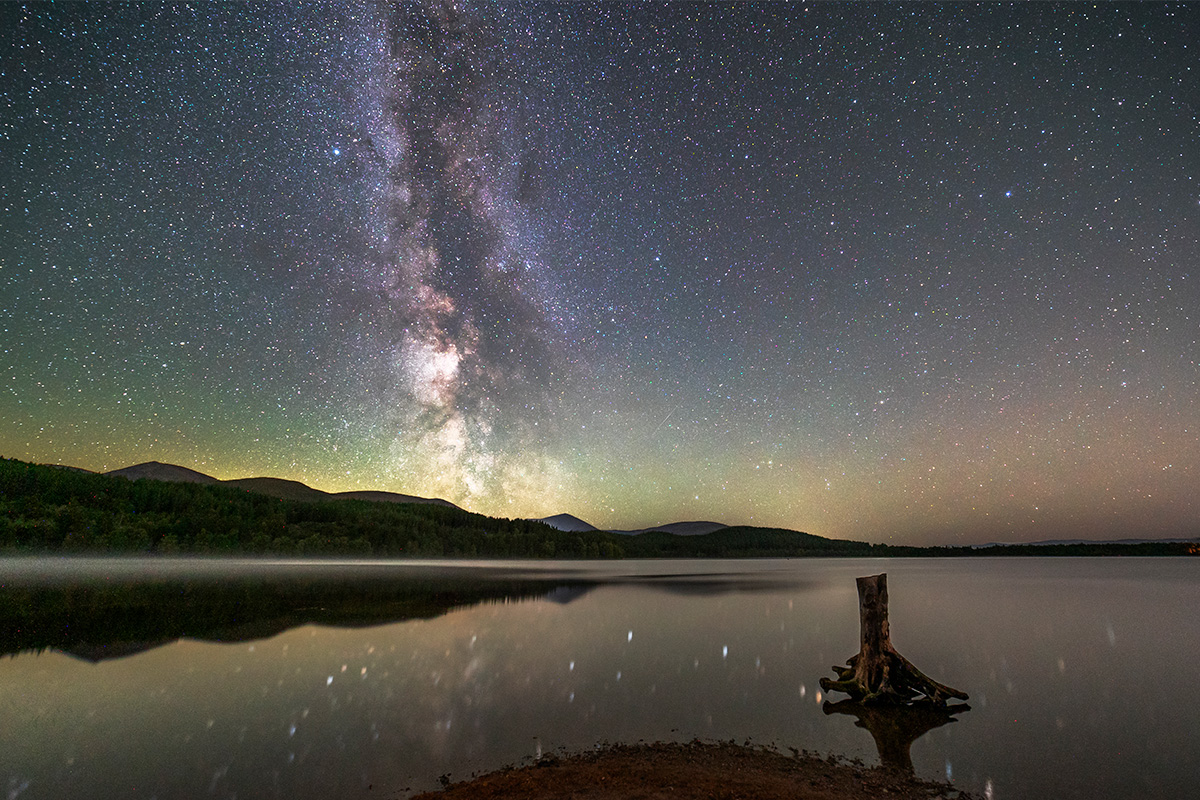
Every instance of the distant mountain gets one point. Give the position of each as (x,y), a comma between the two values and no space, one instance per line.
(281,488)
(567,522)
(682,528)
(392,497)
(273,487)
(157,471)
(571,523)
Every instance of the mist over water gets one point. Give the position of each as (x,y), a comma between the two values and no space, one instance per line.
(1053,652)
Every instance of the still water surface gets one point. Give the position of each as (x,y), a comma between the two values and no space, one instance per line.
(1082,673)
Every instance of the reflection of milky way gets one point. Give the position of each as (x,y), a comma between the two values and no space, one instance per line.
(448,255)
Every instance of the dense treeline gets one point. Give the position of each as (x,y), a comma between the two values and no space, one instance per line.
(743,542)
(53,509)
(57,509)
(1082,549)
(45,508)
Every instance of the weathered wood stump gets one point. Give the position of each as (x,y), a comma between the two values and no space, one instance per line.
(878,674)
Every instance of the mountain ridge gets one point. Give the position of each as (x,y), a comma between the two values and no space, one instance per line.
(567,522)
(282,488)
(742,541)
(158,471)
(572,524)
(686,528)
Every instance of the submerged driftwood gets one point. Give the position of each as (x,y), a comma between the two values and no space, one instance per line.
(878,674)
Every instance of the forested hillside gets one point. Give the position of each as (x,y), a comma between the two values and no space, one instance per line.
(44,508)
(48,508)
(59,509)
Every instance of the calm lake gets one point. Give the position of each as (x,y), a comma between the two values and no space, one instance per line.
(248,679)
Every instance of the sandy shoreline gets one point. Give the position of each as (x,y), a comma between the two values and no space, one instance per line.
(694,771)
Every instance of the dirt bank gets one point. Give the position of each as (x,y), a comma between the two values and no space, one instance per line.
(694,771)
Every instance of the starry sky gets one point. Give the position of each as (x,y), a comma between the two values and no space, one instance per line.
(906,273)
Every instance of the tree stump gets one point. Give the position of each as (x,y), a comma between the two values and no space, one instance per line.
(878,674)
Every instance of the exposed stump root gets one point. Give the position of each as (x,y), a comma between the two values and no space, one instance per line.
(898,681)
(879,674)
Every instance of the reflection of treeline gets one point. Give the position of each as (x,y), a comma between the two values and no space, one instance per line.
(98,621)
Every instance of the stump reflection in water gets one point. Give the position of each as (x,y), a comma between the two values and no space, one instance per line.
(894,728)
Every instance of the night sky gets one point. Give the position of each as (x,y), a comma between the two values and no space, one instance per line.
(897,273)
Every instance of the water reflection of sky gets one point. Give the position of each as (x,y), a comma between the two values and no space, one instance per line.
(1058,656)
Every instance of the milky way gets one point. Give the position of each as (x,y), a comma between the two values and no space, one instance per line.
(915,273)
(473,360)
